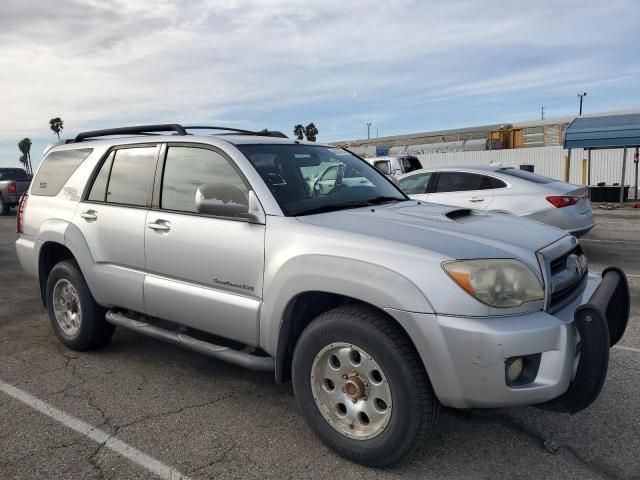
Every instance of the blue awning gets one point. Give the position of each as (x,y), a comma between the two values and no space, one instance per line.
(614,131)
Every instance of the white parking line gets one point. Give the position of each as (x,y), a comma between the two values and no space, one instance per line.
(601,240)
(133,454)
(628,349)
(632,275)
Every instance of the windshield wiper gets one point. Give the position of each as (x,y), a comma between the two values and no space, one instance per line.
(344,206)
(384,199)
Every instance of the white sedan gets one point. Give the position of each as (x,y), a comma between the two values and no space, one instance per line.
(505,190)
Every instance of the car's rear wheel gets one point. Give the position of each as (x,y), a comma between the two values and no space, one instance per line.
(4,207)
(77,320)
(362,386)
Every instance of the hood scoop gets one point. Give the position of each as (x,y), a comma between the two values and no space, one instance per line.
(459,213)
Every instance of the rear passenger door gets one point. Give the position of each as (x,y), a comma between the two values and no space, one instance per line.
(204,271)
(462,189)
(112,219)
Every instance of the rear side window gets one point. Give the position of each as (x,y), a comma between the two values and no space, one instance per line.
(13,174)
(525,175)
(131,176)
(187,168)
(492,182)
(56,169)
(459,182)
(99,189)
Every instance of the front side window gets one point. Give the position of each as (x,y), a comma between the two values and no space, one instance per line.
(415,184)
(56,169)
(306,179)
(131,176)
(187,168)
(384,166)
(410,164)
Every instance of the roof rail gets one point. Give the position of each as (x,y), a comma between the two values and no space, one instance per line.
(136,130)
(263,133)
(167,127)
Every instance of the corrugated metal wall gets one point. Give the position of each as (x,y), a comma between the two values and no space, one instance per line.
(606,165)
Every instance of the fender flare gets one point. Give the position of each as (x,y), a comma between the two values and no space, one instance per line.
(369,283)
(68,235)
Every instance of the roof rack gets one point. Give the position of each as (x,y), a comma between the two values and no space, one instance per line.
(263,133)
(165,128)
(137,130)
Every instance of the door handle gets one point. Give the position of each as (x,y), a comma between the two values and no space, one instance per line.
(89,216)
(159,227)
(476,199)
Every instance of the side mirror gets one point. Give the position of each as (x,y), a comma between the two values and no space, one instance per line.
(224,200)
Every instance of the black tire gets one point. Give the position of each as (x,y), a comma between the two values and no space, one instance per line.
(4,207)
(415,406)
(94,331)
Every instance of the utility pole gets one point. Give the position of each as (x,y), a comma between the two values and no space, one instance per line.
(542,113)
(368,129)
(581,95)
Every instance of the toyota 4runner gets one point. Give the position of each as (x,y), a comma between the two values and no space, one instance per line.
(377,307)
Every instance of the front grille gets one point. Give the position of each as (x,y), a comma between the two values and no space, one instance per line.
(565,270)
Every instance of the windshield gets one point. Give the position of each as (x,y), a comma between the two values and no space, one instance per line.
(306,179)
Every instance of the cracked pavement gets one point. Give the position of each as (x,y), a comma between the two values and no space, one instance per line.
(208,419)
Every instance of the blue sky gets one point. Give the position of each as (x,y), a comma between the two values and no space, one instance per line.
(402,65)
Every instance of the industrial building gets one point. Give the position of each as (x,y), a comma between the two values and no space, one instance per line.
(505,136)
(537,143)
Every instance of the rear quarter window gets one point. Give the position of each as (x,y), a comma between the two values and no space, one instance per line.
(525,175)
(56,169)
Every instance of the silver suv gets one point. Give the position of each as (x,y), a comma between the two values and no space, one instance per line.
(378,308)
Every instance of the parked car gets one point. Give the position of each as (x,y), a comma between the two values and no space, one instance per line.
(505,190)
(378,307)
(13,183)
(336,174)
(395,165)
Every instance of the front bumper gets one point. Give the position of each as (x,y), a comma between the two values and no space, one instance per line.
(466,357)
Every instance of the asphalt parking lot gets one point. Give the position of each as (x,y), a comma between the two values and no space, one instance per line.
(202,418)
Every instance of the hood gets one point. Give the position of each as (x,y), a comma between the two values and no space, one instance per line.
(453,232)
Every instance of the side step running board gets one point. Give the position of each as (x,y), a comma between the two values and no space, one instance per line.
(241,358)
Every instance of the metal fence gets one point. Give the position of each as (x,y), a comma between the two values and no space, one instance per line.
(606,165)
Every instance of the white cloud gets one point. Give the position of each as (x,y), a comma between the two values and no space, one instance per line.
(98,63)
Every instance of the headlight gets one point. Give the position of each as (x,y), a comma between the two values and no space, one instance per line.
(499,283)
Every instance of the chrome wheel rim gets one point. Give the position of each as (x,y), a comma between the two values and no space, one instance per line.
(351,391)
(66,307)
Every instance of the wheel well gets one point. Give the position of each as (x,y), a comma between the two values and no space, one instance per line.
(299,313)
(51,253)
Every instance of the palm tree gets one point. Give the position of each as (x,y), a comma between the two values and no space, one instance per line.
(23,161)
(56,124)
(25,148)
(311,132)
(298,131)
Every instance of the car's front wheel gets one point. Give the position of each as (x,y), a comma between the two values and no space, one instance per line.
(76,318)
(362,386)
